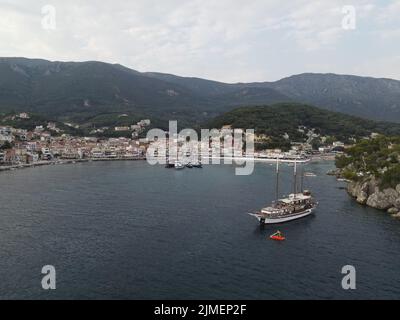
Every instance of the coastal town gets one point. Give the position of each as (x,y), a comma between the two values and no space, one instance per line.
(48,144)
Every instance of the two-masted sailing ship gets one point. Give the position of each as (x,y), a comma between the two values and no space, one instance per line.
(297,205)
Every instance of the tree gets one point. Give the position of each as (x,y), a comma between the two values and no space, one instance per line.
(391,177)
(316,143)
(342,161)
(6,146)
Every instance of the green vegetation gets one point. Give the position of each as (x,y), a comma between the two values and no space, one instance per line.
(379,157)
(111,121)
(6,146)
(34,121)
(76,91)
(114,120)
(286,118)
(273,143)
(81,92)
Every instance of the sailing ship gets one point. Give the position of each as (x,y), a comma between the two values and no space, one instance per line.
(297,205)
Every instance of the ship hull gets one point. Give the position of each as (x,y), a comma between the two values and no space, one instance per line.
(277,220)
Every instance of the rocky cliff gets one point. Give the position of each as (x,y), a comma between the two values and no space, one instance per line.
(367,192)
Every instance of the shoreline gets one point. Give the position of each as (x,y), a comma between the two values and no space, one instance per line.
(73,161)
(367,192)
(62,162)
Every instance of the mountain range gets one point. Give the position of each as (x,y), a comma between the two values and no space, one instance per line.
(81,92)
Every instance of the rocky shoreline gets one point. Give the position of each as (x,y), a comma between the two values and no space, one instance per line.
(367,192)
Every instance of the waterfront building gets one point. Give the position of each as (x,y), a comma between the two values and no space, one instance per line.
(121,128)
(24,115)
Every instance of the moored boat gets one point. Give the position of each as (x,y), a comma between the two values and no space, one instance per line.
(310,174)
(197,165)
(297,205)
(277,236)
(179,165)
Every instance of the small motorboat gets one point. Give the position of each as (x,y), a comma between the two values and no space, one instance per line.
(277,236)
(310,174)
(179,165)
(197,165)
(189,165)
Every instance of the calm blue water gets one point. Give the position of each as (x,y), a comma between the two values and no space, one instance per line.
(130,230)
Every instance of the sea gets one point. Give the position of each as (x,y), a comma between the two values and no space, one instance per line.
(129,230)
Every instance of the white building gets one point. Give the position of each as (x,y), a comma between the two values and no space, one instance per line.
(136,127)
(121,129)
(338,144)
(23,115)
(6,135)
(144,123)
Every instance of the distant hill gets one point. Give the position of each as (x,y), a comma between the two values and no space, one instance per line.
(81,92)
(366,97)
(286,118)
(371,98)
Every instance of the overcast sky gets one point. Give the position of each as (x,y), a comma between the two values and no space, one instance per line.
(226,40)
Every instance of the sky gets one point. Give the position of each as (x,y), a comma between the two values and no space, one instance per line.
(225,40)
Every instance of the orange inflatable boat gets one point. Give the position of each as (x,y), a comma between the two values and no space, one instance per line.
(277,236)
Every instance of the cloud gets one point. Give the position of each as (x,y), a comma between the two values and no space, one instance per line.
(226,40)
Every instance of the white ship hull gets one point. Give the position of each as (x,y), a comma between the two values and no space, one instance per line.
(282,219)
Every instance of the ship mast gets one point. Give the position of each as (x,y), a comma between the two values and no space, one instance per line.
(302,179)
(277,178)
(295,179)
